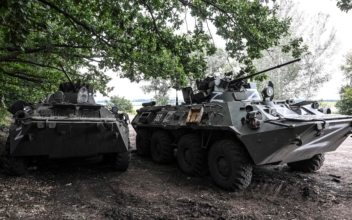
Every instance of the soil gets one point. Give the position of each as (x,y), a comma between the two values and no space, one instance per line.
(88,189)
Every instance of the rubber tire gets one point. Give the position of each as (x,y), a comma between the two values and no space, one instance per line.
(13,166)
(143,143)
(166,152)
(238,161)
(106,160)
(198,165)
(309,165)
(120,161)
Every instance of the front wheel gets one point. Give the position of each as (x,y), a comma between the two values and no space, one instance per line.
(229,165)
(143,143)
(309,165)
(192,158)
(120,161)
(161,149)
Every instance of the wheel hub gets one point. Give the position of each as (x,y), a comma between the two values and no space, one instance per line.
(158,149)
(188,157)
(223,166)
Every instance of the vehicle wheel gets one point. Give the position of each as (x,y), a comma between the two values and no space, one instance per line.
(120,161)
(309,165)
(143,143)
(230,165)
(161,149)
(13,166)
(106,159)
(192,158)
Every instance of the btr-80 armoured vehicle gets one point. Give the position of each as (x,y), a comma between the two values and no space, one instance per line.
(68,124)
(226,128)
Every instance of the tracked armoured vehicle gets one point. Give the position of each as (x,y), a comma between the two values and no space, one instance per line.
(226,127)
(68,124)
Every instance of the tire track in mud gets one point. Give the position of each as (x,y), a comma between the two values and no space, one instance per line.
(268,189)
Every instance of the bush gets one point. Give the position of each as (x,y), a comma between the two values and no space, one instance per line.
(345,104)
(123,104)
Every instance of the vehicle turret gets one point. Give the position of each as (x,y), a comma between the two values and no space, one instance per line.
(226,89)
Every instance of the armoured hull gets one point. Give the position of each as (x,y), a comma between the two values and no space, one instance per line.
(61,137)
(276,140)
(68,124)
(285,145)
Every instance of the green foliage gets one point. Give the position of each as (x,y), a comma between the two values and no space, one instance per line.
(3,120)
(137,39)
(347,68)
(344,5)
(345,104)
(160,88)
(42,39)
(3,113)
(123,104)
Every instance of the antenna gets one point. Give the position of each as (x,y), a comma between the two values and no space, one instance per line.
(176,88)
(176,98)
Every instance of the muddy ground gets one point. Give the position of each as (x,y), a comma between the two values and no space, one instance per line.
(87,189)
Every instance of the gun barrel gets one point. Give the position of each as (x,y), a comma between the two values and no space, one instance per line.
(263,71)
(69,79)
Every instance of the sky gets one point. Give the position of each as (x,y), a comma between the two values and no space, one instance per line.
(341,21)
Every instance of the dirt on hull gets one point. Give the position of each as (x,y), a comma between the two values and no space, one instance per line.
(88,189)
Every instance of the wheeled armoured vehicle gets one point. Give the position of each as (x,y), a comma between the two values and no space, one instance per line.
(67,124)
(226,127)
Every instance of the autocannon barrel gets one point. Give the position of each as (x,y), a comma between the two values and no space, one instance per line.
(263,71)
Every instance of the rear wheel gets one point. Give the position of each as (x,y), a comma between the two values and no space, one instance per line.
(143,143)
(192,158)
(229,165)
(161,149)
(309,165)
(120,161)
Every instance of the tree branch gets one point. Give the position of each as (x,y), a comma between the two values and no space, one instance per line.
(33,63)
(20,76)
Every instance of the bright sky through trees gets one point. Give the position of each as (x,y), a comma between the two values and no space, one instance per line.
(340,20)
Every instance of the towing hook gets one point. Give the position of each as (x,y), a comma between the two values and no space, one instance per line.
(297,141)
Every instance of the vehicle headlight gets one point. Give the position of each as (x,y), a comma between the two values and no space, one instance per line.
(27,109)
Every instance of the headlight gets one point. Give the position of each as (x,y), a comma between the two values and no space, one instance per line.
(27,109)
(82,96)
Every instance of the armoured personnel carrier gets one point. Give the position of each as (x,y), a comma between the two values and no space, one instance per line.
(68,124)
(226,127)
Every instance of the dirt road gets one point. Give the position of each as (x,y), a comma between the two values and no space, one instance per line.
(87,189)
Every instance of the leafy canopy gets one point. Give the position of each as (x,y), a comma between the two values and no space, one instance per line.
(344,5)
(41,39)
